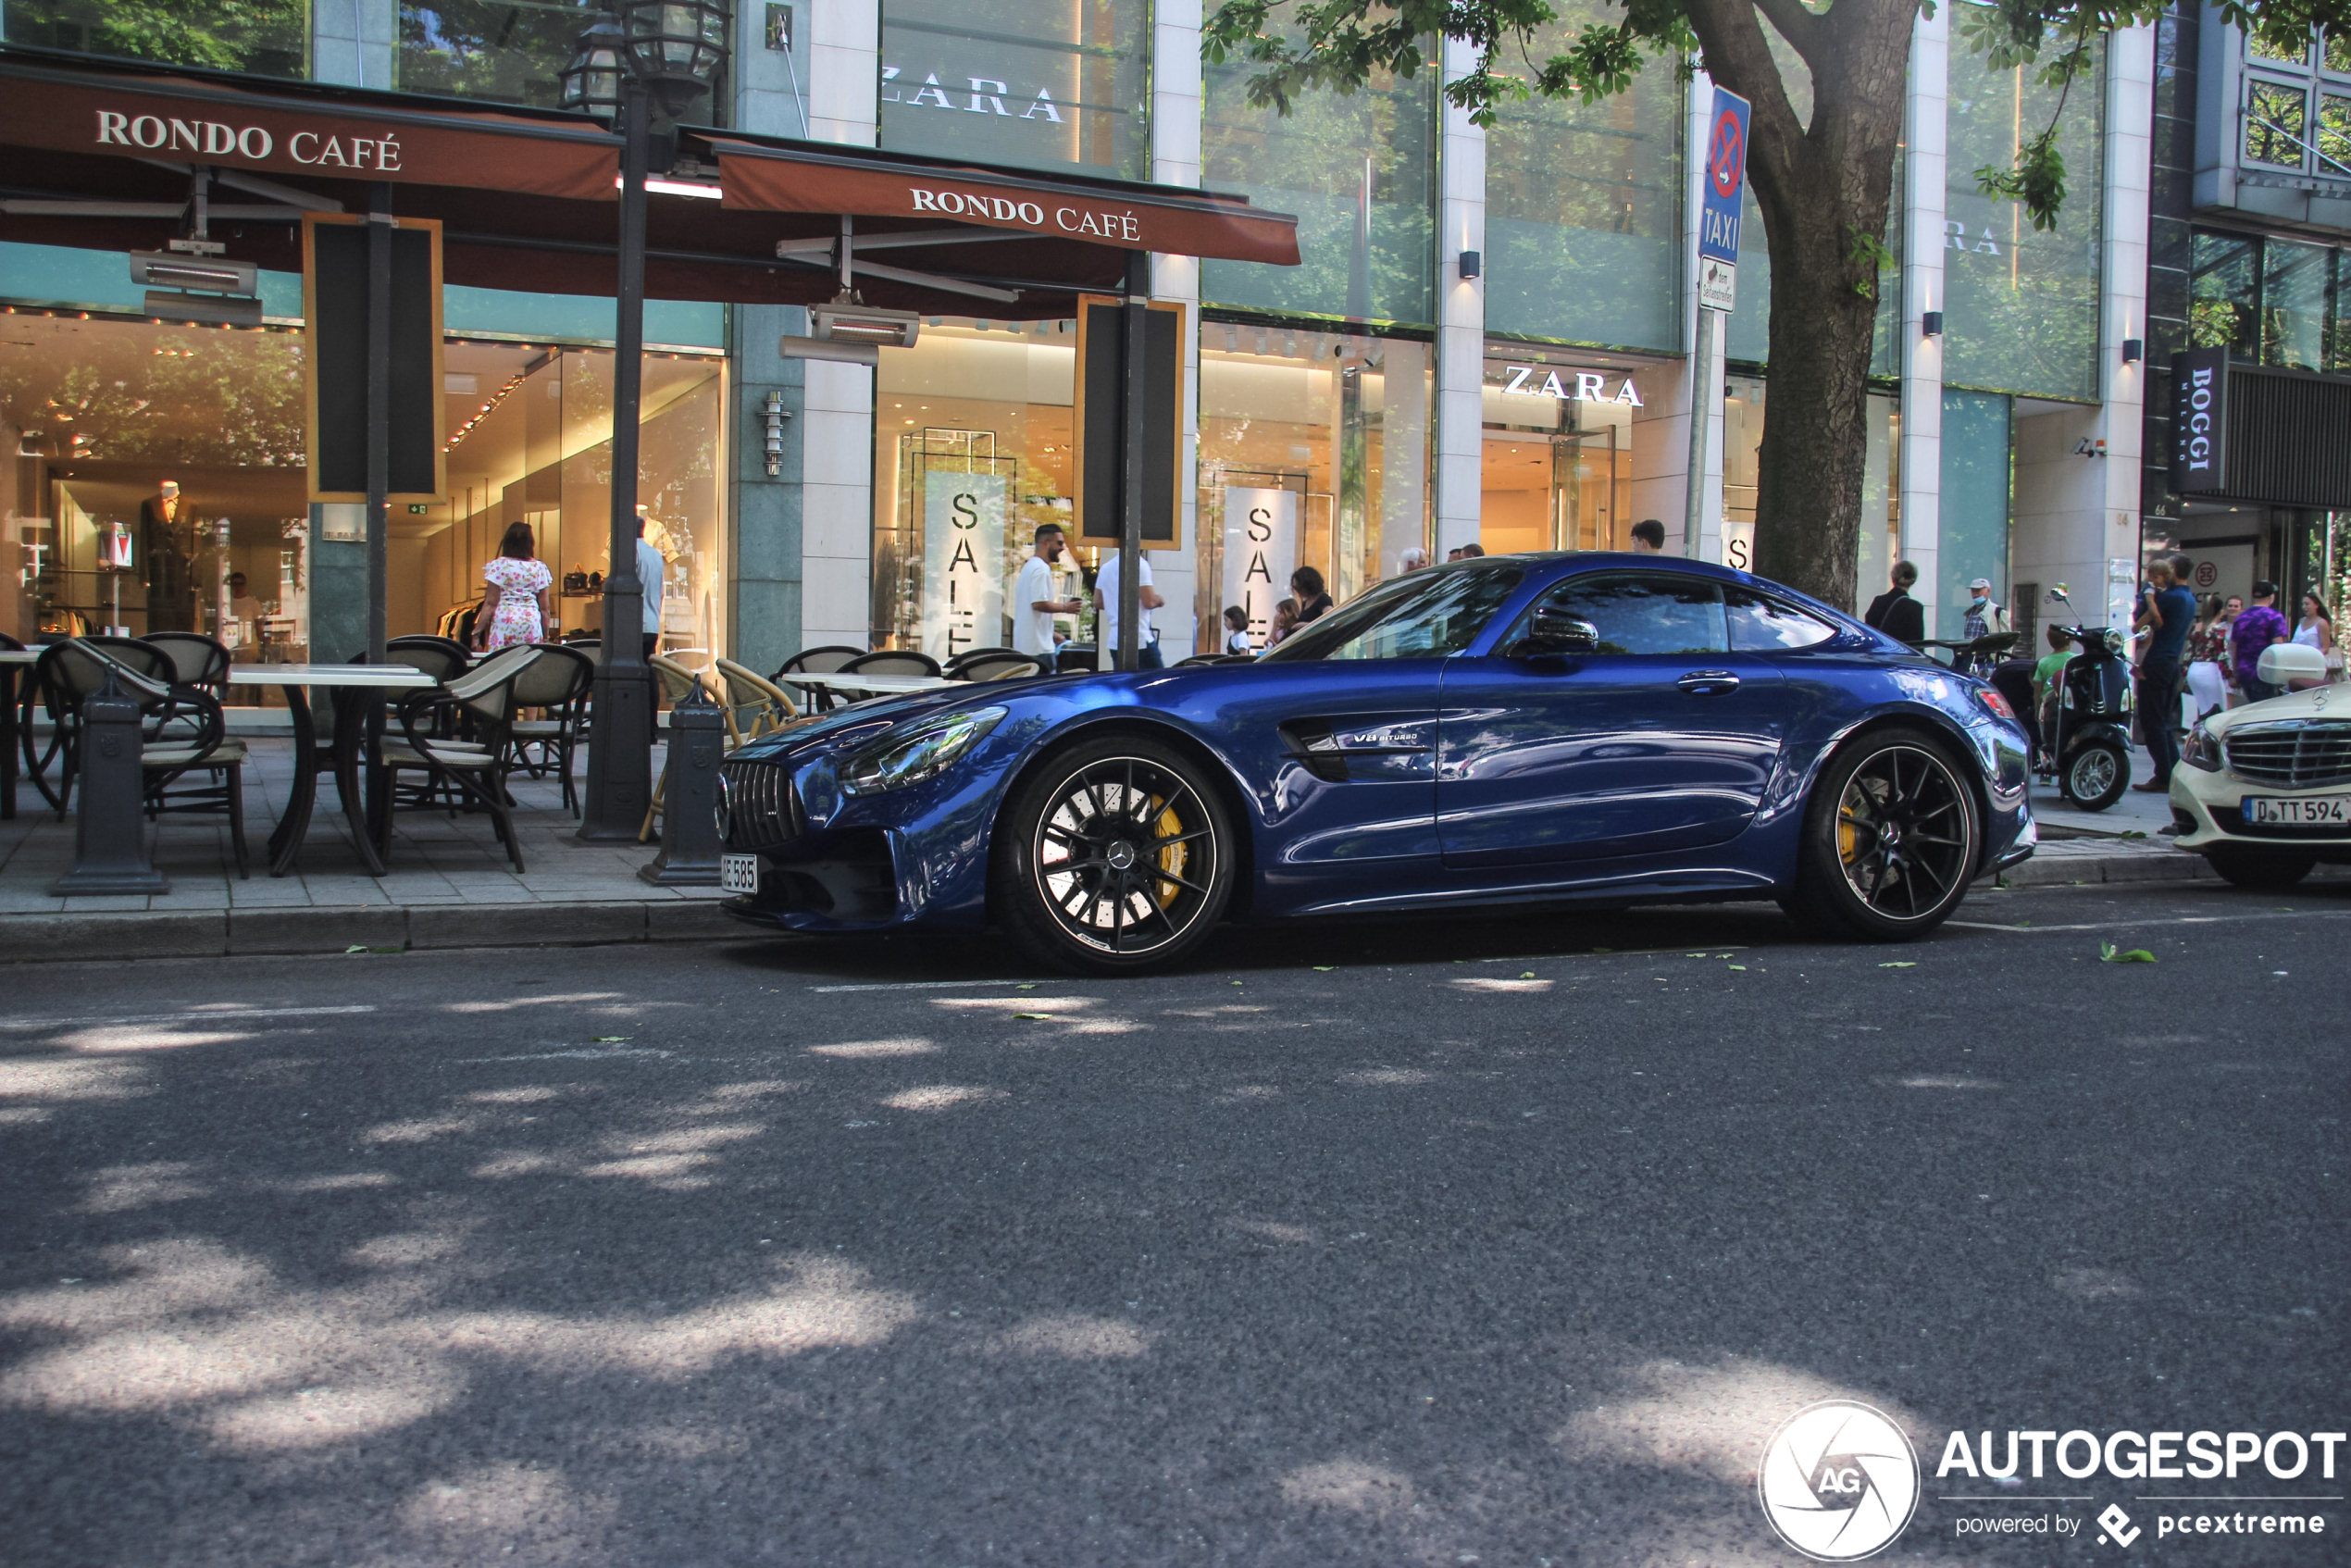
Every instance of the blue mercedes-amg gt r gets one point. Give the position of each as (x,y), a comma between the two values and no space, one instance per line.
(1513,731)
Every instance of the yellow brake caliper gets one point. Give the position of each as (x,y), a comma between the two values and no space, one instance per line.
(1171,858)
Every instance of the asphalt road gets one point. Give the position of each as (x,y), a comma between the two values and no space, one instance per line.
(1394,1245)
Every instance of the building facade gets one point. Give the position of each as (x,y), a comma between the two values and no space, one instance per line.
(1488,342)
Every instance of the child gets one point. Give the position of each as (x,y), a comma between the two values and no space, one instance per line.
(1237,630)
(1284,621)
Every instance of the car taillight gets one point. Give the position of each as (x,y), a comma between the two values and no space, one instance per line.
(1997,703)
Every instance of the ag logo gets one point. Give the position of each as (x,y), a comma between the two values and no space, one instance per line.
(1839,1481)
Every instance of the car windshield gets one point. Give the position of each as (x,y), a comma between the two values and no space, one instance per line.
(1423,614)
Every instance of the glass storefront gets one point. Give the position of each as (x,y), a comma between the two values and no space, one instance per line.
(1744,398)
(1313,451)
(1556,469)
(156,465)
(2020,305)
(1054,85)
(1359,172)
(971,453)
(1584,209)
(264,37)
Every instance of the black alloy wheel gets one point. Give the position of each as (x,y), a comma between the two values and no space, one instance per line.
(1891,839)
(1114,858)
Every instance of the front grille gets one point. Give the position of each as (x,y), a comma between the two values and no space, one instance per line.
(763,808)
(2307,754)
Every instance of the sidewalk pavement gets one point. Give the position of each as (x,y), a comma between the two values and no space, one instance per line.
(449,883)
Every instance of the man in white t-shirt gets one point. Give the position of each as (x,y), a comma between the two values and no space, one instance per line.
(1146,596)
(1033,605)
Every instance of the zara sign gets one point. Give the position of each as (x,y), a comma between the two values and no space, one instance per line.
(1591,386)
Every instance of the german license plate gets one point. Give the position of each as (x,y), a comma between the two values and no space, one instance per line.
(2309,811)
(739,872)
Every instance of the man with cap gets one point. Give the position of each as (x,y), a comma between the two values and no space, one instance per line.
(1983,618)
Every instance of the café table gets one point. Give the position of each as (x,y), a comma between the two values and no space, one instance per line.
(296,681)
(868,685)
(11,661)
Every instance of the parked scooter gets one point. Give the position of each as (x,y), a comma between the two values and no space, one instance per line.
(2086,728)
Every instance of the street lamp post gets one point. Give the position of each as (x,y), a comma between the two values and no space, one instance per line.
(653,53)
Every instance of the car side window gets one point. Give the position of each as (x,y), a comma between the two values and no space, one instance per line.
(1650,612)
(1765,626)
(1427,614)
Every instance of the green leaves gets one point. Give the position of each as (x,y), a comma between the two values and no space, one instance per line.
(2037,180)
(2106,954)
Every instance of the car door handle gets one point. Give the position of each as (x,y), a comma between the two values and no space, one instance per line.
(1708,682)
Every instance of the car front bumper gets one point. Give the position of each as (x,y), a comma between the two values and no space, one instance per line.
(2206,810)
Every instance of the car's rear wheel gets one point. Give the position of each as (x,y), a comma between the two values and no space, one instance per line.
(2095,776)
(1115,857)
(1891,837)
(2268,871)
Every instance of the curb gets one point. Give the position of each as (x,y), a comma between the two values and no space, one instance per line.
(216,933)
(2155,864)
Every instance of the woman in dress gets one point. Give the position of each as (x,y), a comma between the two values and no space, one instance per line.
(2207,645)
(517,608)
(2315,629)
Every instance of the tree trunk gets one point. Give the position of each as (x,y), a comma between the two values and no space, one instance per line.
(1821,188)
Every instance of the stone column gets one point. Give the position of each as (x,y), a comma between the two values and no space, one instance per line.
(1461,318)
(1177,95)
(1926,118)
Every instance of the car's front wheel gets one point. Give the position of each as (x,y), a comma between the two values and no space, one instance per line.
(1115,857)
(1891,837)
(2265,871)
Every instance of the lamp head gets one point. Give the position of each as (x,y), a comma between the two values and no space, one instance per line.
(591,84)
(675,47)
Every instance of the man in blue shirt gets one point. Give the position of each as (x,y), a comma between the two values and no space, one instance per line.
(2167,610)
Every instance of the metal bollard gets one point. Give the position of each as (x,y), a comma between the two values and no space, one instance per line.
(109,820)
(689,856)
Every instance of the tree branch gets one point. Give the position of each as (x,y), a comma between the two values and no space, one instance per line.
(1803,30)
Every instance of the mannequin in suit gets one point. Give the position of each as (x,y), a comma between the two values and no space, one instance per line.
(164,542)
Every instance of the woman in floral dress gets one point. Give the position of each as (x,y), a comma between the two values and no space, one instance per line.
(517,608)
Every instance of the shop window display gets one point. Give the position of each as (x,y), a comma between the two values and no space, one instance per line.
(1060,84)
(971,453)
(1313,451)
(530,440)
(157,470)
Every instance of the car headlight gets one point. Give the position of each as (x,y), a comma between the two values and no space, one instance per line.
(2203,750)
(925,752)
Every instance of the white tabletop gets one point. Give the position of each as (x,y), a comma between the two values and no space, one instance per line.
(865,682)
(327,675)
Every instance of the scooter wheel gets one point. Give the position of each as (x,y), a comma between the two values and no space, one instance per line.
(2095,776)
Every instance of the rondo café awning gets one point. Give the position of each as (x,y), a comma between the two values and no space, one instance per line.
(108,155)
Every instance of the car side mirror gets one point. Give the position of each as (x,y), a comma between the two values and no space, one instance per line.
(1556,629)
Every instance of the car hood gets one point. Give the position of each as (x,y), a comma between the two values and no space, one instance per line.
(2318,702)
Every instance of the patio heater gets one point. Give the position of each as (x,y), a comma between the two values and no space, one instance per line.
(645,55)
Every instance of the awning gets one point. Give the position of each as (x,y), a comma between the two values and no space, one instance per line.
(788,177)
(351,136)
(526,196)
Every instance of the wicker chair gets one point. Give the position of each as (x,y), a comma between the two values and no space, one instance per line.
(558,683)
(754,705)
(473,771)
(676,683)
